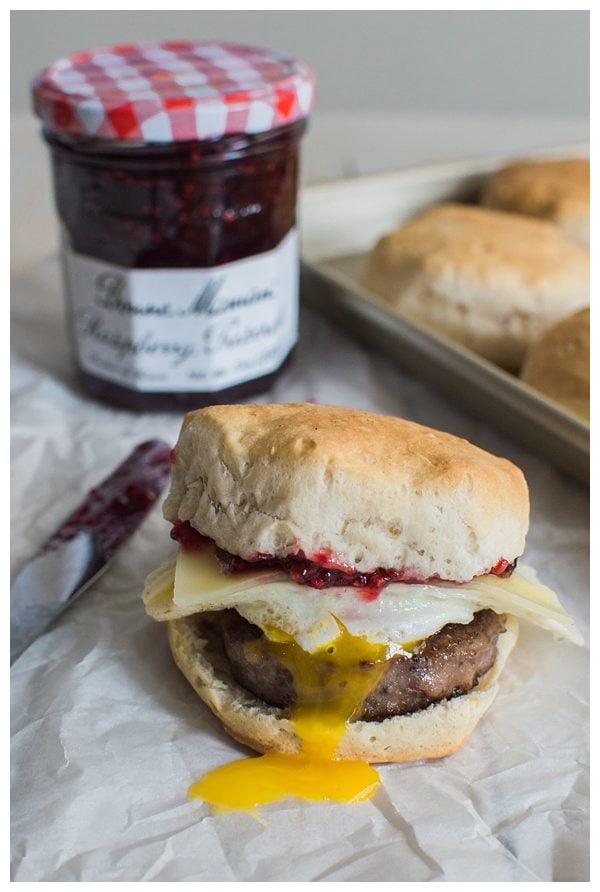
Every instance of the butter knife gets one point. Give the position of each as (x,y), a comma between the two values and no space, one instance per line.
(82,548)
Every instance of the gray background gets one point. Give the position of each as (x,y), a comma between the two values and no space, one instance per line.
(526,62)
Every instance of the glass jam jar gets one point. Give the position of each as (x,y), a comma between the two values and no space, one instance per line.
(175,178)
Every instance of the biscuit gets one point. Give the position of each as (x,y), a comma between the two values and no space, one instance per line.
(558,364)
(558,191)
(490,280)
(365,490)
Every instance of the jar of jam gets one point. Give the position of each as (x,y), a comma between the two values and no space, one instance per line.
(175,178)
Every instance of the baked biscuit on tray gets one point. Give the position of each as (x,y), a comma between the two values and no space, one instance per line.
(558,364)
(558,191)
(490,280)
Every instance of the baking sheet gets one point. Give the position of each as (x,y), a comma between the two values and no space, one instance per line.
(341,223)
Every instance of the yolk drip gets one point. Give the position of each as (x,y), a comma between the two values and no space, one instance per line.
(331,686)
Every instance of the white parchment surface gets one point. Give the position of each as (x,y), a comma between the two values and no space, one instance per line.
(107,735)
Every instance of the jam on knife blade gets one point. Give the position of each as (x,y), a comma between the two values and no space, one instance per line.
(85,543)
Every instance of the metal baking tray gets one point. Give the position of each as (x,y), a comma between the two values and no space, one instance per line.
(342,220)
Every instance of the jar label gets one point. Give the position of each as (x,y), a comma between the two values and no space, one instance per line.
(185,329)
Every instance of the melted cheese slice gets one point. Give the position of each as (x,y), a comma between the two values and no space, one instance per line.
(192,582)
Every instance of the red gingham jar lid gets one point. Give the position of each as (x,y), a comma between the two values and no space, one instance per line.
(171,91)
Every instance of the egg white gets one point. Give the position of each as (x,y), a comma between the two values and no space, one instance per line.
(192,582)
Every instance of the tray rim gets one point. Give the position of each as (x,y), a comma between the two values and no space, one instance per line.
(469,166)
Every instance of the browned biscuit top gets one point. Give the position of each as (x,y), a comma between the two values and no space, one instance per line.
(373,491)
(552,190)
(558,364)
(487,279)
(484,243)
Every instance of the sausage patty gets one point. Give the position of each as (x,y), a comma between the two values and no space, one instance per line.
(444,665)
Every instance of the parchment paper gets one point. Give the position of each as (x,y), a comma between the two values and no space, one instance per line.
(107,736)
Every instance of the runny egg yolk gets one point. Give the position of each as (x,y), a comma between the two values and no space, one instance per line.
(331,686)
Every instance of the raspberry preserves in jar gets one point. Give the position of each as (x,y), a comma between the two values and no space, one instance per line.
(175,174)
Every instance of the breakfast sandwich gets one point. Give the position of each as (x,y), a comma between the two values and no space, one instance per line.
(490,280)
(558,191)
(345,591)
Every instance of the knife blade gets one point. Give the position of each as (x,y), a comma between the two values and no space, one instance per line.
(84,545)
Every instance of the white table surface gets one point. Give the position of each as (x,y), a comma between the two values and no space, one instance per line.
(77,691)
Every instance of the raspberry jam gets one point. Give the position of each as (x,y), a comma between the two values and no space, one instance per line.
(116,507)
(175,179)
(319,571)
(188,538)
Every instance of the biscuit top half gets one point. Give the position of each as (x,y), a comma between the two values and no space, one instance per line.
(365,490)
